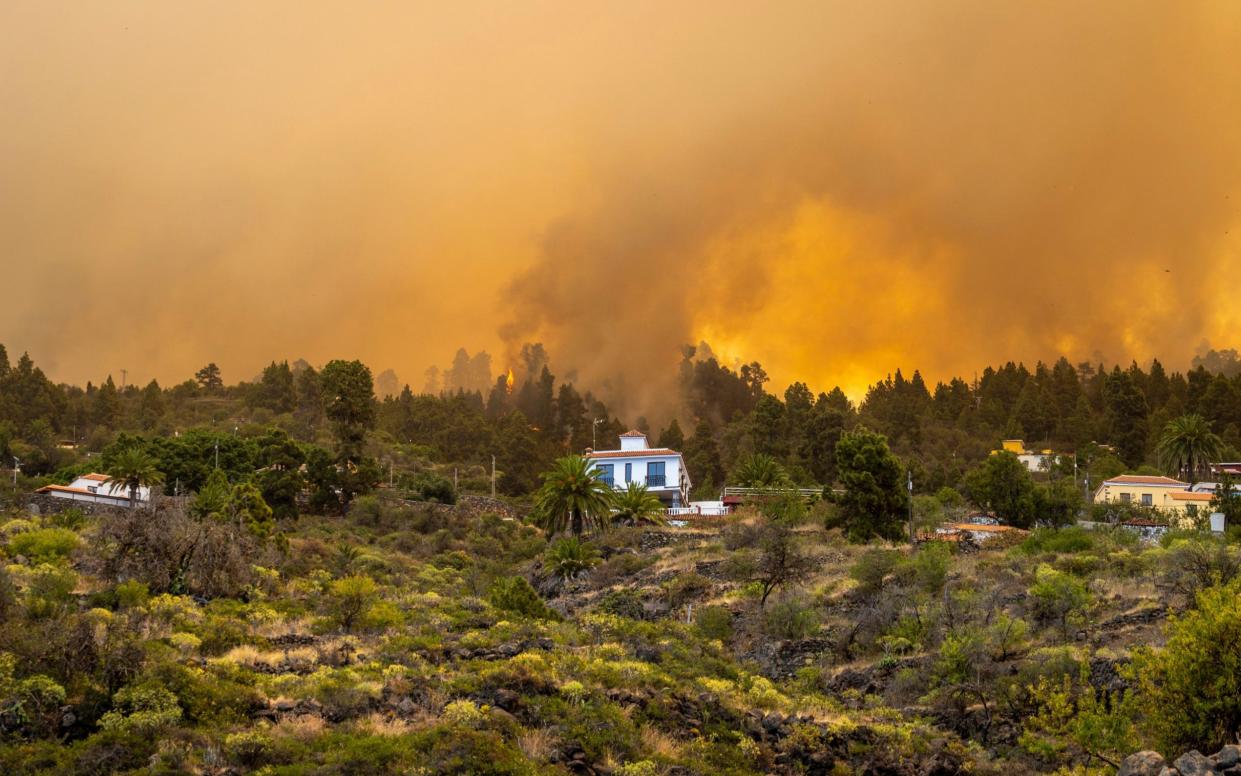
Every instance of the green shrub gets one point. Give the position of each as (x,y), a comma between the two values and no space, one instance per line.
(73,519)
(625,602)
(44,545)
(247,748)
(1057,596)
(143,709)
(463,713)
(871,570)
(714,622)
(1191,689)
(132,594)
(515,594)
(51,587)
(1066,540)
(351,597)
(790,618)
(570,557)
(930,566)
(685,588)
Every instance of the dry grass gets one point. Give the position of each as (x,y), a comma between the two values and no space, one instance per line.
(660,743)
(382,725)
(304,727)
(538,744)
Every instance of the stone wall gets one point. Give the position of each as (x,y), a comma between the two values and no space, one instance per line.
(47,504)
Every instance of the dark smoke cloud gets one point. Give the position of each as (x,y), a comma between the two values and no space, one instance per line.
(947,184)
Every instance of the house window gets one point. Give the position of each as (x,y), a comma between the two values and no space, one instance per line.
(605,469)
(93,488)
(655,474)
(1192,510)
(628,472)
(1125,498)
(1147,500)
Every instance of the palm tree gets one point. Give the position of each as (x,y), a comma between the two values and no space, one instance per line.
(573,496)
(761,471)
(636,504)
(131,469)
(1187,446)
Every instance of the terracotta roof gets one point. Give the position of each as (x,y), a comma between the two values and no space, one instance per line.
(95,477)
(981,527)
(83,491)
(646,452)
(1187,496)
(1138,479)
(633,433)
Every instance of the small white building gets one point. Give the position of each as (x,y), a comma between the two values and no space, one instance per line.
(96,489)
(661,470)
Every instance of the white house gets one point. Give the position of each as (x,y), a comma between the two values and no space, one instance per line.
(96,489)
(661,470)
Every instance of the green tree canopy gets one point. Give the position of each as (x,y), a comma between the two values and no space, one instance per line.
(874,501)
(1002,484)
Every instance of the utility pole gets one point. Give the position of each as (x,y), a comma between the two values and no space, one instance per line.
(124,374)
(217,454)
(913,541)
(594,433)
(17,465)
(454,478)
(493,476)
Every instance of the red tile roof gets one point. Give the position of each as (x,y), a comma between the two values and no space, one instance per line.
(96,477)
(1191,496)
(1139,479)
(633,433)
(644,452)
(981,527)
(84,492)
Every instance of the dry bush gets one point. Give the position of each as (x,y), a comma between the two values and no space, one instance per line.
(171,551)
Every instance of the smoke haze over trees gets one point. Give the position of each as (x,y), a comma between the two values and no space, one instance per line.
(883,183)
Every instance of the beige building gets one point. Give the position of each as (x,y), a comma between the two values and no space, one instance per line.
(1171,498)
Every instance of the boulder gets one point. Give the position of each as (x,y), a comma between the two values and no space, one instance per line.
(1142,764)
(1228,757)
(1193,764)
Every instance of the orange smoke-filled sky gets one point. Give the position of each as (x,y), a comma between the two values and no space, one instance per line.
(832,188)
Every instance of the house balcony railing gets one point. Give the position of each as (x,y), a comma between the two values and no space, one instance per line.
(712,511)
(809,493)
(656,480)
(609,481)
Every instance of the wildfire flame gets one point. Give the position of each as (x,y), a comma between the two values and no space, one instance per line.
(508,380)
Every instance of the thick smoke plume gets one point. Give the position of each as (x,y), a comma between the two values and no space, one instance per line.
(834,189)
